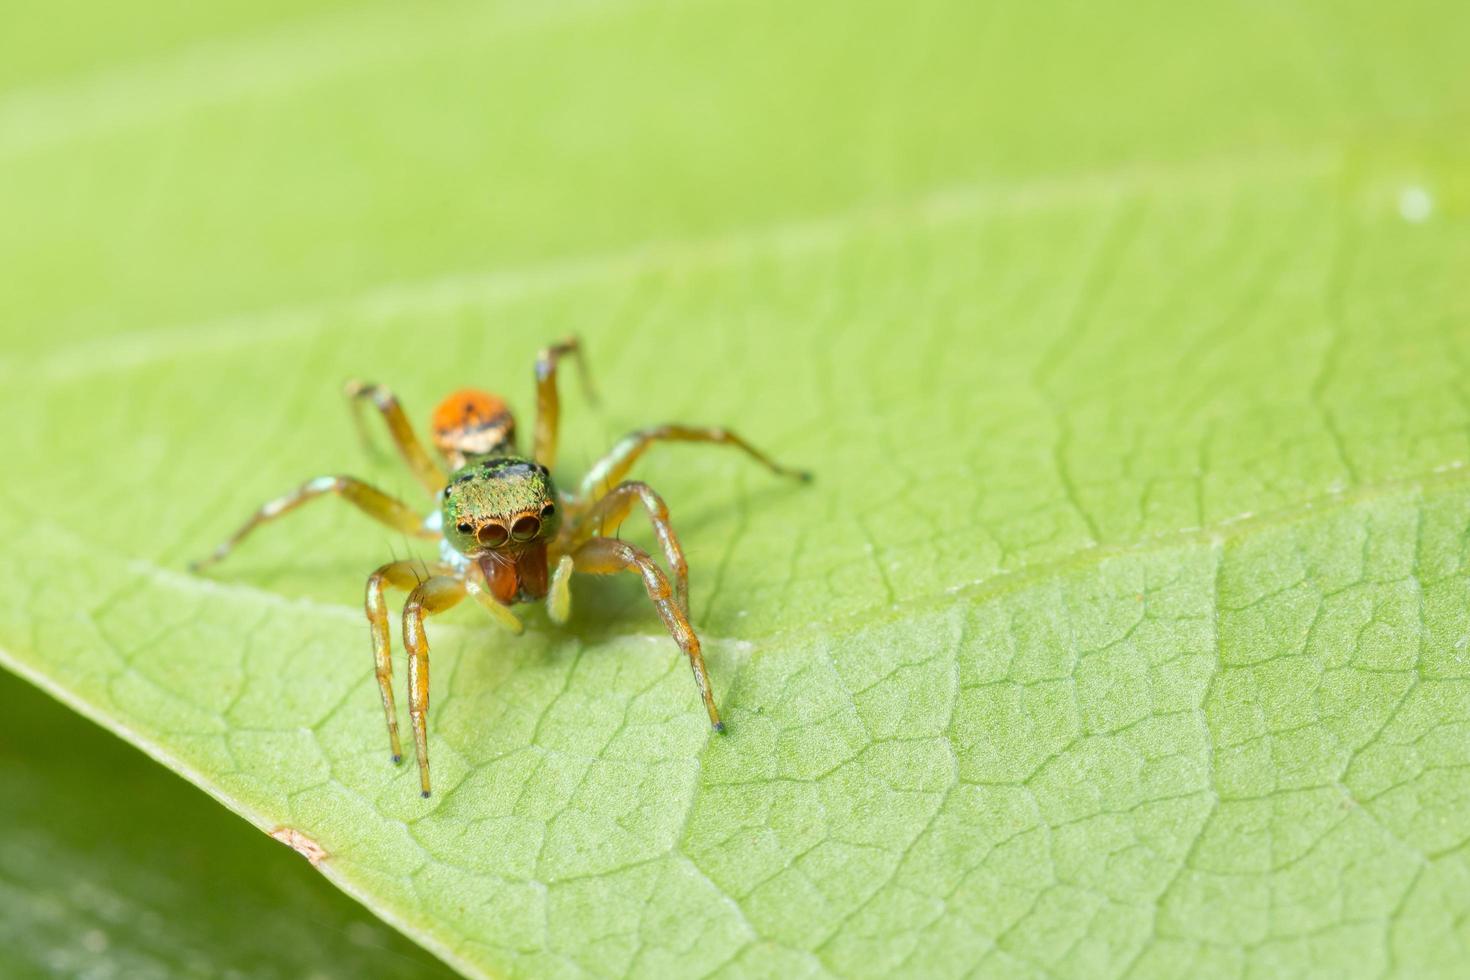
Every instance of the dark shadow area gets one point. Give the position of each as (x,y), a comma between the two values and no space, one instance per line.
(110,865)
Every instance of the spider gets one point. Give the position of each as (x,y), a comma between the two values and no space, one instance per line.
(506,534)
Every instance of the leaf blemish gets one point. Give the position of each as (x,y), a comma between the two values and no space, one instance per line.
(301,844)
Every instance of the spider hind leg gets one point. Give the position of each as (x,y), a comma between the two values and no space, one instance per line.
(425,470)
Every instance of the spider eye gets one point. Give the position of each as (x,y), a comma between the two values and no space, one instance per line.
(492,535)
(526,528)
(465,527)
(548,510)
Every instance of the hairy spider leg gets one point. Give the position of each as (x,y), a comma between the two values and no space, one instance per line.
(609,471)
(369,499)
(548,401)
(608,513)
(433,596)
(608,556)
(424,468)
(405,575)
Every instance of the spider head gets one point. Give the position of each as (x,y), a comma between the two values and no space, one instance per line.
(499,504)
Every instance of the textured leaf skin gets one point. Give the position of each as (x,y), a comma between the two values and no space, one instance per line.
(1123,632)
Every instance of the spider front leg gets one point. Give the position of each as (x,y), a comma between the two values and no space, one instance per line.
(608,556)
(418,459)
(405,575)
(433,596)
(548,401)
(607,514)
(609,471)
(373,502)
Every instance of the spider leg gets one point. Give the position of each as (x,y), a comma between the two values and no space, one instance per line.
(405,575)
(608,556)
(432,596)
(548,402)
(609,471)
(373,502)
(608,513)
(428,472)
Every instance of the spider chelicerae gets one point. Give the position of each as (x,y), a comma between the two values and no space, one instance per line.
(506,534)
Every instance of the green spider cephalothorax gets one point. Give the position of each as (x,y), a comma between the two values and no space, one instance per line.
(501,511)
(506,535)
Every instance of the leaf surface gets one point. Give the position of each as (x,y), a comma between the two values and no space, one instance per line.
(1122,632)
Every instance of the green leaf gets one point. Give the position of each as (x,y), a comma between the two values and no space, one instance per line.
(109,865)
(1124,628)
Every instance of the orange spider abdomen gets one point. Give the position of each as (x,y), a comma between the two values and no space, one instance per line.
(473,423)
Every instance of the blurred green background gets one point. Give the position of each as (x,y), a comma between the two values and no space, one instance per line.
(210,215)
(166,165)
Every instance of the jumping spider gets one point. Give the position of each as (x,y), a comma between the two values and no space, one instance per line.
(506,534)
